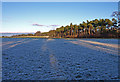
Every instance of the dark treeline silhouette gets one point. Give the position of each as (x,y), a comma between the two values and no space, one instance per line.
(102,28)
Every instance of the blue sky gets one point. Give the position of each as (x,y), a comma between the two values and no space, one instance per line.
(45,16)
(60,0)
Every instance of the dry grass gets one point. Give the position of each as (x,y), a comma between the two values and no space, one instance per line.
(28,37)
(103,44)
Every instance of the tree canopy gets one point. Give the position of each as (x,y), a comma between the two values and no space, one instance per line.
(95,28)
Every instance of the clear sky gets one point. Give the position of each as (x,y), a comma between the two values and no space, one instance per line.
(60,0)
(45,16)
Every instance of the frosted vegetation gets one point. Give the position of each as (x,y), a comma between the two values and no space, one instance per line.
(59,59)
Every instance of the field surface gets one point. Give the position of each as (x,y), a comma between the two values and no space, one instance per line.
(59,59)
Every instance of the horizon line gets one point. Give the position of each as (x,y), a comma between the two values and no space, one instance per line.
(17,32)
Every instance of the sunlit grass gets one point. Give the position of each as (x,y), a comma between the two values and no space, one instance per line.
(28,37)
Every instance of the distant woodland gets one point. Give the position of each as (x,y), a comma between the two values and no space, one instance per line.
(102,28)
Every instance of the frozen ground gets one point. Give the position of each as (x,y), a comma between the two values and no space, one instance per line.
(59,59)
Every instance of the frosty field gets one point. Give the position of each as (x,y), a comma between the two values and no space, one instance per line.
(59,59)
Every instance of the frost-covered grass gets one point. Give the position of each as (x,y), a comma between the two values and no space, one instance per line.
(58,59)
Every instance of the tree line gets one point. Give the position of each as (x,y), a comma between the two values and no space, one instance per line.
(102,28)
